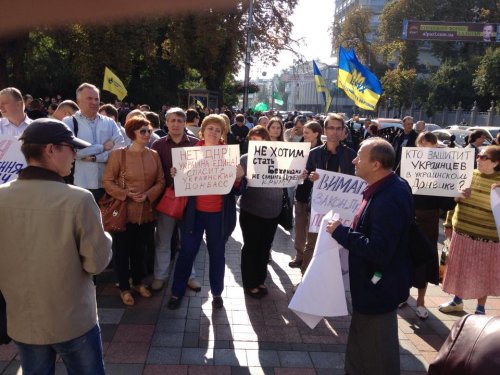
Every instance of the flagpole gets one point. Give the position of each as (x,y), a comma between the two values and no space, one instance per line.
(247,55)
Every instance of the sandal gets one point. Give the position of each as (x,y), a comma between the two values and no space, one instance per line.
(422,312)
(142,290)
(127,298)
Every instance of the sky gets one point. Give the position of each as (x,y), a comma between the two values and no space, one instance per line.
(311,20)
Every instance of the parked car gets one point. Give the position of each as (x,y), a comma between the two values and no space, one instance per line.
(444,136)
(461,127)
(429,127)
(384,123)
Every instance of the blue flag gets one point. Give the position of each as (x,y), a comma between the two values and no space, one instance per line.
(359,84)
(321,87)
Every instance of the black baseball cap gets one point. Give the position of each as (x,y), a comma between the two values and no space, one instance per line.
(48,130)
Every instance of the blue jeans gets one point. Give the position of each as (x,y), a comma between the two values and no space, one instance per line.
(81,356)
(211,223)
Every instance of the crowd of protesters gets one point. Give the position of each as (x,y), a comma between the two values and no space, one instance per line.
(125,150)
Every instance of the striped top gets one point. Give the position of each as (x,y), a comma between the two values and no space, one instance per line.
(473,216)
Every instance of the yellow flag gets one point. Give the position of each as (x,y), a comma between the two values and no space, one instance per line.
(113,84)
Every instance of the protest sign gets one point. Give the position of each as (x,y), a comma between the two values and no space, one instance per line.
(337,192)
(205,170)
(443,172)
(321,292)
(11,158)
(276,164)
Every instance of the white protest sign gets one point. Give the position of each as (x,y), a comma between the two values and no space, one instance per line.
(337,192)
(440,172)
(276,164)
(321,292)
(205,170)
(11,158)
(495,206)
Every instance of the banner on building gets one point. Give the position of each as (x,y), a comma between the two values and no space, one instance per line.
(276,164)
(11,158)
(337,192)
(443,172)
(205,170)
(451,31)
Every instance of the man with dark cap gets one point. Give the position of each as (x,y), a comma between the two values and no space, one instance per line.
(52,243)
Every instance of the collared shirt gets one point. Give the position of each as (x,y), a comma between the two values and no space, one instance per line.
(88,175)
(8,128)
(367,194)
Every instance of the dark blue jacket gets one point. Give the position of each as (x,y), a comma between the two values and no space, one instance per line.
(228,214)
(379,243)
(321,158)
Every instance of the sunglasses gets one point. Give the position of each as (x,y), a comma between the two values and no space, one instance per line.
(73,148)
(483,157)
(145,130)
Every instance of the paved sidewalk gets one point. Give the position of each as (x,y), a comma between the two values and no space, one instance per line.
(247,336)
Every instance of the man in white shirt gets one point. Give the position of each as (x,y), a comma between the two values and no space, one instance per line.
(101,132)
(14,120)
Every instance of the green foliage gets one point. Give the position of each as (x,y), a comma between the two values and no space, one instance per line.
(487,75)
(398,85)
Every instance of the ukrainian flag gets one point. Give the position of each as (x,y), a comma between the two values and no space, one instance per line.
(359,84)
(198,101)
(321,87)
(113,84)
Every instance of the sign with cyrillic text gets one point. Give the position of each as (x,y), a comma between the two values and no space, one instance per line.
(11,158)
(276,164)
(442,172)
(337,192)
(205,170)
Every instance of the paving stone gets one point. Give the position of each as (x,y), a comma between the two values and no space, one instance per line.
(327,360)
(8,352)
(110,316)
(173,340)
(107,331)
(134,333)
(294,359)
(252,371)
(294,371)
(127,352)
(192,325)
(163,355)
(190,340)
(209,370)
(230,357)
(171,325)
(413,363)
(140,316)
(196,356)
(3,366)
(124,369)
(263,358)
(165,369)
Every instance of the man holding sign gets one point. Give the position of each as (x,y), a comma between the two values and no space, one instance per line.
(379,261)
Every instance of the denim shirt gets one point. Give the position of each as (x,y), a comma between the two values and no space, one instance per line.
(97,132)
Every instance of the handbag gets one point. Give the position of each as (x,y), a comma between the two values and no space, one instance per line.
(171,205)
(285,219)
(114,211)
(4,338)
(472,347)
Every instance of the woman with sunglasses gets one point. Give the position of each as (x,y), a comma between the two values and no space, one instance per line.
(144,183)
(474,251)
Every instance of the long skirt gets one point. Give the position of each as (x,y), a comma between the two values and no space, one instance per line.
(472,268)
(428,221)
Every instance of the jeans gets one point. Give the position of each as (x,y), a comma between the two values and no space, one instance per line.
(164,231)
(81,356)
(211,223)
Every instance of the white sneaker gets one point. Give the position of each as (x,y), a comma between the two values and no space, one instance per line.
(451,307)
(194,284)
(422,312)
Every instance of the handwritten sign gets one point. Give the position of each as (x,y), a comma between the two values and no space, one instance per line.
(495,206)
(337,192)
(11,158)
(205,170)
(321,292)
(276,164)
(440,172)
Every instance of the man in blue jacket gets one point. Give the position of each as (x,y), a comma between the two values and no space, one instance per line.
(379,263)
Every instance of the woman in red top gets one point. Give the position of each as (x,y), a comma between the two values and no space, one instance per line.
(214,215)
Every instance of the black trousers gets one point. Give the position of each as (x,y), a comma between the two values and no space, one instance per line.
(129,251)
(258,234)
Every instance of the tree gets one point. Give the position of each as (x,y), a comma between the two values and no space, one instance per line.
(398,85)
(487,75)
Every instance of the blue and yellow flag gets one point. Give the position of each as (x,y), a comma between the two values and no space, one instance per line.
(321,87)
(199,102)
(359,84)
(113,84)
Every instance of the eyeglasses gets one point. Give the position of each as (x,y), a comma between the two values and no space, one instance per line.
(73,148)
(334,128)
(145,130)
(483,157)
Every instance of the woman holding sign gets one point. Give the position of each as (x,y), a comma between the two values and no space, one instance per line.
(427,211)
(212,215)
(474,252)
(259,212)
